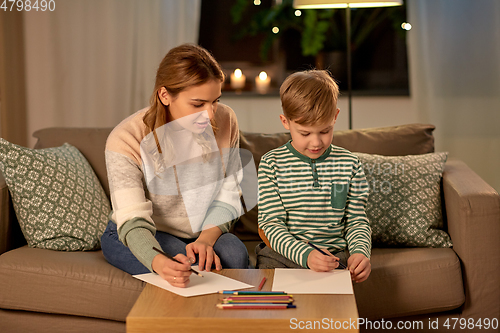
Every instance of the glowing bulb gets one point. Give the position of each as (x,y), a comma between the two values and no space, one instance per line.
(238,72)
(276,30)
(263,76)
(406,26)
(298,13)
(257,2)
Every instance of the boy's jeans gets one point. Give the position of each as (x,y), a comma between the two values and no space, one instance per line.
(230,249)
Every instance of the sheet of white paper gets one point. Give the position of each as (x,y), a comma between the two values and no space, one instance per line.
(208,284)
(306,281)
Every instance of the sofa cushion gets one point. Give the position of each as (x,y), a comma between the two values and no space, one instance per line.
(72,283)
(59,202)
(410,281)
(89,141)
(409,139)
(412,139)
(404,204)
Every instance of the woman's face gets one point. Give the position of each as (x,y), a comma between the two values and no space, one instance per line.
(194,107)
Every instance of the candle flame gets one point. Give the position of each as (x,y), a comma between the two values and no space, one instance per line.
(238,73)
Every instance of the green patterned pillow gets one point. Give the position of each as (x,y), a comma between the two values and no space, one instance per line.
(59,202)
(404,205)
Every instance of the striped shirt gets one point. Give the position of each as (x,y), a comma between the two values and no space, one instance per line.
(322,201)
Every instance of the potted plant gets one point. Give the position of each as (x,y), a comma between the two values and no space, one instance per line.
(320,30)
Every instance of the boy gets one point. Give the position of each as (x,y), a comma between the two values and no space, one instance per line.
(310,190)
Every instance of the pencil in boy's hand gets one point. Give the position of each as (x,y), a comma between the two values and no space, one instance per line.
(173,259)
(323,252)
(262,283)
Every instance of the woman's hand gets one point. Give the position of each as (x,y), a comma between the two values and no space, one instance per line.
(359,266)
(177,274)
(203,247)
(320,262)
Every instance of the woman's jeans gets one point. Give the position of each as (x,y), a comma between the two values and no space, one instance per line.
(230,249)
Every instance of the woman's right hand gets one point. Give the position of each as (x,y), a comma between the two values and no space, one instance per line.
(177,274)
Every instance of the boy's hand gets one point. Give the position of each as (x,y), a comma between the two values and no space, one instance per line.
(319,262)
(359,266)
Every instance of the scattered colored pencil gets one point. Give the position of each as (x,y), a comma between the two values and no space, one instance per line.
(256,300)
(254,297)
(256,306)
(262,283)
(251,292)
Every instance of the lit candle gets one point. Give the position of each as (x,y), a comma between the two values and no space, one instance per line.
(237,79)
(262,82)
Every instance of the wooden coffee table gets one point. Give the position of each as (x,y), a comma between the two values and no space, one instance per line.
(158,310)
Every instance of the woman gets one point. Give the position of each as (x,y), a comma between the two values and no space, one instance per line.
(173,175)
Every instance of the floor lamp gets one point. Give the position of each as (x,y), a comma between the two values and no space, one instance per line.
(348,4)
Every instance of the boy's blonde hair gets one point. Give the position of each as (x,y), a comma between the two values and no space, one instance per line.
(309,97)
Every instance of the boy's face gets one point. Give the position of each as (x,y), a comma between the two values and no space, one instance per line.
(312,140)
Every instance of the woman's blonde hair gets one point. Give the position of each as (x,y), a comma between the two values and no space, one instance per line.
(309,97)
(184,66)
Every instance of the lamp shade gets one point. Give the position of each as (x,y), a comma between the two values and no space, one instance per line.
(319,4)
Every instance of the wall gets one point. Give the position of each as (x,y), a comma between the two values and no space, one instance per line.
(261,114)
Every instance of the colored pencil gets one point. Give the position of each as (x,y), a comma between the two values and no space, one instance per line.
(255,306)
(262,283)
(321,251)
(251,292)
(258,302)
(173,259)
(252,297)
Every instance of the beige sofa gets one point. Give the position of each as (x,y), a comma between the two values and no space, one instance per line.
(49,291)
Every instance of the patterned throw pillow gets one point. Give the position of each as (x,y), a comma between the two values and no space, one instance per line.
(404,204)
(59,202)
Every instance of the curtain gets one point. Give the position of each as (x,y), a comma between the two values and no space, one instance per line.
(93,62)
(454,56)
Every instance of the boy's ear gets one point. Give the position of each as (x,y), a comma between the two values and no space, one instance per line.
(284,121)
(336,115)
(164,96)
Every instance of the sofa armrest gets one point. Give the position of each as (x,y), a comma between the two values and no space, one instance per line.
(473,216)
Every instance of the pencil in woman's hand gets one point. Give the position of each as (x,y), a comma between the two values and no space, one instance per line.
(173,259)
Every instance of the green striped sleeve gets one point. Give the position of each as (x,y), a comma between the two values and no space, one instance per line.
(357,228)
(272,218)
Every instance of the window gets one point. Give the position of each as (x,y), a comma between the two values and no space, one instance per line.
(378,43)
